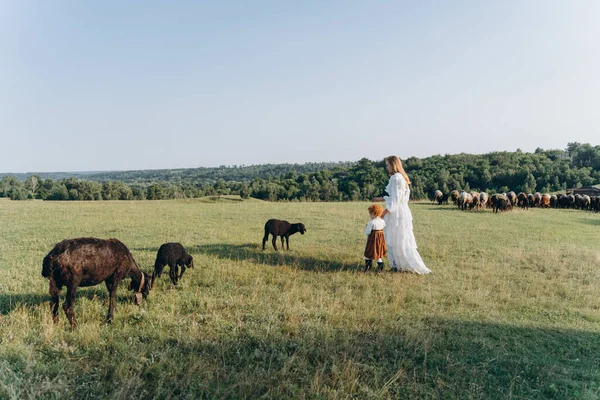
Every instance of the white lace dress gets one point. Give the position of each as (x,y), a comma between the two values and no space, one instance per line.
(399,236)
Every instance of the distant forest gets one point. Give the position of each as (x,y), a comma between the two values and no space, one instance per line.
(542,171)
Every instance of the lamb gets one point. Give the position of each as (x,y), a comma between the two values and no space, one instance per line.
(88,262)
(173,255)
(284,229)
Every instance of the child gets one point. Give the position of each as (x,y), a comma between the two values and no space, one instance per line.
(375,248)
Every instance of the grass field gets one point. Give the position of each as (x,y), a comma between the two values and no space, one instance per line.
(511,309)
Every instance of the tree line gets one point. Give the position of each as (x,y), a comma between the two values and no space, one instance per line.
(543,171)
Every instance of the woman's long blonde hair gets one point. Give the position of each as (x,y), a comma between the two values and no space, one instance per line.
(396,165)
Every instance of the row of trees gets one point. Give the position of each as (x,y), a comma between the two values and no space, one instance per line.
(319,186)
(196,176)
(544,171)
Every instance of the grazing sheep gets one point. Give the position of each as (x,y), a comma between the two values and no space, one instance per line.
(537,199)
(531,199)
(88,262)
(493,199)
(476,203)
(454,195)
(512,197)
(586,203)
(437,196)
(523,201)
(553,201)
(563,201)
(175,256)
(465,200)
(501,203)
(545,201)
(483,200)
(284,229)
(578,201)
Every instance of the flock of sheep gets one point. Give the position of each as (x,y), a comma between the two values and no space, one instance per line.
(506,201)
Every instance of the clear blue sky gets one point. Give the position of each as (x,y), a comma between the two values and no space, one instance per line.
(116,85)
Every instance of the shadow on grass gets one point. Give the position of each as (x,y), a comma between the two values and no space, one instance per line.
(427,358)
(408,358)
(254,253)
(149,249)
(9,302)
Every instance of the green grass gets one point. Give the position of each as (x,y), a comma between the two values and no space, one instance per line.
(511,309)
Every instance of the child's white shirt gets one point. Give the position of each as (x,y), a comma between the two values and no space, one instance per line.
(376,224)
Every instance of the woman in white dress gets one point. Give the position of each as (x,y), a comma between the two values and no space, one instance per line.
(401,244)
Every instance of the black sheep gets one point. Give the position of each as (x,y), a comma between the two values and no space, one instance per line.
(173,255)
(284,229)
(501,204)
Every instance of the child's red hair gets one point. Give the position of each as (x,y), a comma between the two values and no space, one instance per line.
(376,210)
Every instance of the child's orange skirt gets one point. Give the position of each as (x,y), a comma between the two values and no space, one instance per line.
(376,247)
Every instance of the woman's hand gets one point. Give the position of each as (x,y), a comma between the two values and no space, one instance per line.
(377,199)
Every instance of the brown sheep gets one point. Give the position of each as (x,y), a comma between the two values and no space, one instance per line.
(545,201)
(88,262)
(523,201)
